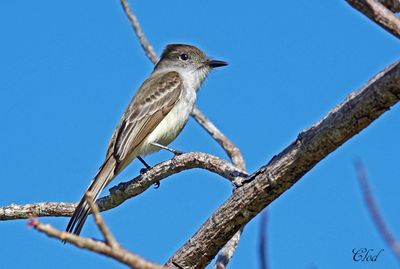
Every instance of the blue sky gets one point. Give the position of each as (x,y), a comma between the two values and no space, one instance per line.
(69,68)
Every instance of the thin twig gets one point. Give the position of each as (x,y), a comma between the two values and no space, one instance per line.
(262,243)
(108,237)
(148,49)
(119,254)
(374,211)
(379,14)
(232,151)
(343,122)
(126,190)
(226,253)
(230,148)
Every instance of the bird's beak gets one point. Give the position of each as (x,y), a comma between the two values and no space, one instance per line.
(215,63)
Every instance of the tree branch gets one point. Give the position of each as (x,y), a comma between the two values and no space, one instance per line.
(110,247)
(43,209)
(373,210)
(226,253)
(359,110)
(126,190)
(262,241)
(393,5)
(379,14)
(148,49)
(108,236)
(119,254)
(232,151)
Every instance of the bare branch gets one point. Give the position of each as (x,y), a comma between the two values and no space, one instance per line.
(235,155)
(226,253)
(344,121)
(119,254)
(374,211)
(262,245)
(379,14)
(179,163)
(44,209)
(232,151)
(230,148)
(126,190)
(109,238)
(393,5)
(148,49)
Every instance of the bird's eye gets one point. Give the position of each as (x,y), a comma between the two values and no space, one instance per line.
(184,57)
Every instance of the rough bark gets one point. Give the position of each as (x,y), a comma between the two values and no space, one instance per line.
(344,121)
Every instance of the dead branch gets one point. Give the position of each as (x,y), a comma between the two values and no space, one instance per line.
(126,190)
(108,237)
(374,211)
(344,121)
(285,169)
(148,49)
(119,254)
(393,5)
(232,151)
(379,14)
(110,247)
(262,243)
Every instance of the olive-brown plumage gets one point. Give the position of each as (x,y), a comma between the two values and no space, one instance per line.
(156,114)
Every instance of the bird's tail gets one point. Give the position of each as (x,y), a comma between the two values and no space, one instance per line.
(105,174)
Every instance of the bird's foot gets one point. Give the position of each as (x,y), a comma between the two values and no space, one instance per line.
(145,169)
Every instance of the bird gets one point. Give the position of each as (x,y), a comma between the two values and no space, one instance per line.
(153,119)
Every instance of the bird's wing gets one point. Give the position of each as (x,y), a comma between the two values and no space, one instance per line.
(153,101)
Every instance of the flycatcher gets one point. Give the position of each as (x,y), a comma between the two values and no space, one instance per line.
(155,116)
